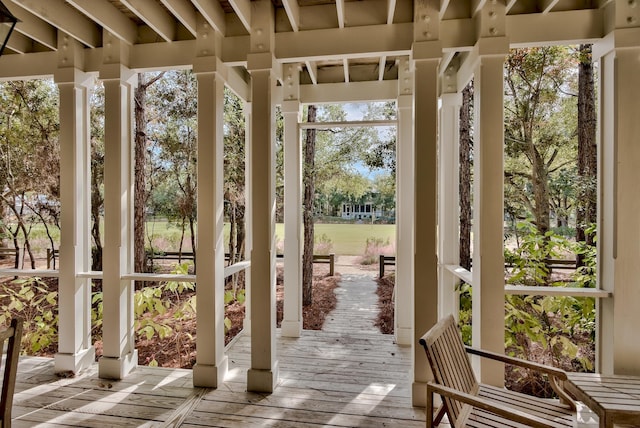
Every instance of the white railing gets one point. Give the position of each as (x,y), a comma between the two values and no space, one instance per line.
(53,273)
(467,277)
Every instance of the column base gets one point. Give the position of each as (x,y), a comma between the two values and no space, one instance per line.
(419,394)
(404,336)
(259,380)
(291,328)
(210,376)
(74,363)
(117,368)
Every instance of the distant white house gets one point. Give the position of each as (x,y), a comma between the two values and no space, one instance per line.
(360,211)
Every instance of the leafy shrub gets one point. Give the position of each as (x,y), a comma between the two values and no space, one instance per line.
(36,305)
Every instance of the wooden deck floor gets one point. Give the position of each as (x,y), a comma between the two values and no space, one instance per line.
(347,375)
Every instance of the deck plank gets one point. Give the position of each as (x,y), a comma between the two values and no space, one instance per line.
(346,375)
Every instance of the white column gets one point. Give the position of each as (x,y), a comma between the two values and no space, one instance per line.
(488,211)
(248,215)
(403,323)
(448,202)
(119,354)
(211,361)
(292,317)
(75,350)
(263,374)
(426,59)
(619,204)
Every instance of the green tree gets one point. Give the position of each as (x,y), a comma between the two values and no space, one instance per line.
(539,124)
(29,158)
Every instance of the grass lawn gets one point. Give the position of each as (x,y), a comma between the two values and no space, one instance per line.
(342,239)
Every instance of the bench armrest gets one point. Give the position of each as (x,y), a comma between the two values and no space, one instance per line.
(556,376)
(490,406)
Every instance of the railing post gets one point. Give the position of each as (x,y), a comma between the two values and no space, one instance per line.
(381,268)
(332,257)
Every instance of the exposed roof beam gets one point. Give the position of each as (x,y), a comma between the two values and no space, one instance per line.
(213,13)
(510,4)
(447,57)
(352,92)
(242,8)
(61,15)
(19,43)
(391,11)
(476,6)
(155,16)
(34,27)
(365,42)
(345,67)
(312,69)
(444,5)
(381,67)
(340,11)
(184,12)
(548,5)
(109,17)
(293,12)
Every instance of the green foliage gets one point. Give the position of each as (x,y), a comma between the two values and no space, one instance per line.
(529,259)
(556,324)
(464,292)
(36,305)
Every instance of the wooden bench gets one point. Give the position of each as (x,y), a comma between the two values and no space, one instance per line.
(12,336)
(471,404)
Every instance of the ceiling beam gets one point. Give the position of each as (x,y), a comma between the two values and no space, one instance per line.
(109,17)
(391,11)
(328,44)
(340,12)
(352,92)
(345,67)
(293,13)
(34,27)
(242,8)
(477,6)
(547,6)
(184,12)
(444,5)
(66,18)
(155,16)
(19,43)
(382,65)
(312,69)
(213,13)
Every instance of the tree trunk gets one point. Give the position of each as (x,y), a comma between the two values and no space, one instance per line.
(587,151)
(465,177)
(140,191)
(97,202)
(307,215)
(540,181)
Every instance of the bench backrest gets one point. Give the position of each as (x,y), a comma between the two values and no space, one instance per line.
(450,365)
(13,336)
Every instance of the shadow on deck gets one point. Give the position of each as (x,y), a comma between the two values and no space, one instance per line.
(344,376)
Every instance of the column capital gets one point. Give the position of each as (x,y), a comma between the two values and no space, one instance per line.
(427,50)
(291,107)
(73,75)
(621,38)
(117,72)
(452,99)
(261,61)
(210,64)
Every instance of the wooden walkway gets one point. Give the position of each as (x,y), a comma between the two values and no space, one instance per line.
(348,375)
